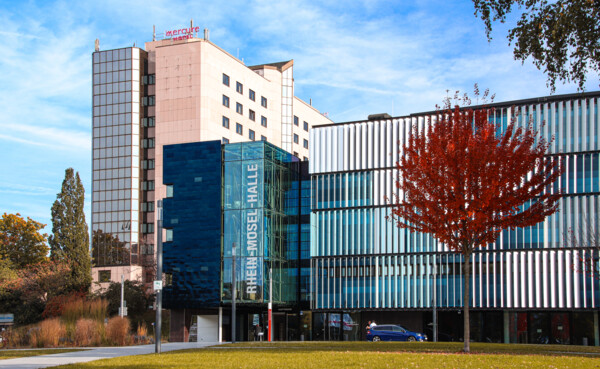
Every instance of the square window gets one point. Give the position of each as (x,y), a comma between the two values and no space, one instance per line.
(251,134)
(225,140)
(304,158)
(225,79)
(295,154)
(263,121)
(295,138)
(263,138)
(306,126)
(225,122)
(239,129)
(252,95)
(305,143)
(296,120)
(239,88)
(104,276)
(252,115)
(239,108)
(263,101)
(225,101)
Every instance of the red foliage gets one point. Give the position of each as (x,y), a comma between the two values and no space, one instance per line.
(56,304)
(39,281)
(464,184)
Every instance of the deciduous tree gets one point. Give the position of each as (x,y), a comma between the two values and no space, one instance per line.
(463,182)
(21,241)
(561,37)
(69,241)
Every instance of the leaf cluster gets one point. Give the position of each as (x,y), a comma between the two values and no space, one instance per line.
(69,241)
(463,181)
(135,296)
(562,37)
(21,242)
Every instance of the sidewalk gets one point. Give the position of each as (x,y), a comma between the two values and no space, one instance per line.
(94,353)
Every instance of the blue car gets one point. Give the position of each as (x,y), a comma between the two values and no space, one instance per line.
(386,332)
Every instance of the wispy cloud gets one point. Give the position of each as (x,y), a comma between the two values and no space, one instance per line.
(352,58)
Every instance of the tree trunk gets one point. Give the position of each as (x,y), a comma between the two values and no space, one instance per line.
(466,302)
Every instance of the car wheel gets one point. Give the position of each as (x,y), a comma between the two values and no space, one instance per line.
(411,339)
(376,339)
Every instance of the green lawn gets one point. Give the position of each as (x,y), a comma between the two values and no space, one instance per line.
(291,355)
(13,354)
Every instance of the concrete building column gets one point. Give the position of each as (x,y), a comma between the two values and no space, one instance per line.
(506,327)
(596,333)
(220,324)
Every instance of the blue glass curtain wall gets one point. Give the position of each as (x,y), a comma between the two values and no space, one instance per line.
(360,259)
(193,215)
(260,207)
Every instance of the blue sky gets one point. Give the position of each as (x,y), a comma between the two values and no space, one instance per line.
(351,58)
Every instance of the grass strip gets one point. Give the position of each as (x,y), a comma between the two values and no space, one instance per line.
(13,354)
(291,355)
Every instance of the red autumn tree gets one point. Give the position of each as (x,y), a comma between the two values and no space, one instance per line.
(463,182)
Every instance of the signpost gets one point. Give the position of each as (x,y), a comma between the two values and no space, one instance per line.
(7,319)
(233,294)
(158,281)
(270,304)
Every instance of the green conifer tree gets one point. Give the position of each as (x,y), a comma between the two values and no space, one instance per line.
(69,241)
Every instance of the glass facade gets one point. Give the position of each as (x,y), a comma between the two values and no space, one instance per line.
(257,181)
(192,222)
(244,195)
(361,261)
(116,156)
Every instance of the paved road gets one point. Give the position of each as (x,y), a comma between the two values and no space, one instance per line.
(94,353)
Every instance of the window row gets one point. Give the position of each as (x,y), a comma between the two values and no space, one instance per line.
(251,135)
(109,88)
(116,205)
(112,184)
(113,163)
(148,100)
(112,66)
(149,79)
(115,119)
(114,173)
(112,109)
(112,131)
(112,141)
(225,122)
(110,55)
(113,195)
(297,123)
(239,88)
(111,77)
(112,98)
(147,228)
(148,122)
(123,151)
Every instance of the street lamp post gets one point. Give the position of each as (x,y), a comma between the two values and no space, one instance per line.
(435,332)
(159,267)
(233,295)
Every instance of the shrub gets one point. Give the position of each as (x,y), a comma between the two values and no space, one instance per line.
(73,310)
(86,333)
(97,309)
(48,333)
(117,330)
(16,337)
(142,333)
(56,305)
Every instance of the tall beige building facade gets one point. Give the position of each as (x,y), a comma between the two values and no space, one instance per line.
(176,90)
